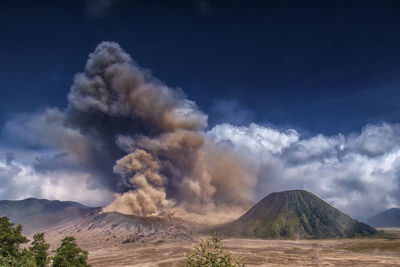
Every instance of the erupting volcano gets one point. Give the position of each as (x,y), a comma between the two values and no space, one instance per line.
(146,142)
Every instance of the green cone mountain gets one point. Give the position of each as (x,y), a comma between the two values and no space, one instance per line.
(295,214)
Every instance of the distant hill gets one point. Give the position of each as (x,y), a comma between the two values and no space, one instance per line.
(290,214)
(35,213)
(388,218)
(295,214)
(61,218)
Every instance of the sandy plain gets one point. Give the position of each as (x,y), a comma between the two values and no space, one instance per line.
(341,252)
(161,249)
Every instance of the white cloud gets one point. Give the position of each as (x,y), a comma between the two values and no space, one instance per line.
(255,138)
(358,173)
(376,140)
(21,181)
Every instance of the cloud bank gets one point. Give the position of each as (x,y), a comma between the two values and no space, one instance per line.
(358,173)
(126,134)
(21,181)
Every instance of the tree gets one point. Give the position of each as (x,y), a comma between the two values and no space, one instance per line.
(210,253)
(39,249)
(10,240)
(25,259)
(68,254)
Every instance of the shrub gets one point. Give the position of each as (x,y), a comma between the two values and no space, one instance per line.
(68,254)
(10,238)
(210,253)
(25,259)
(39,249)
(11,255)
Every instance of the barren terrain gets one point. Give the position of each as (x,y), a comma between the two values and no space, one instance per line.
(114,239)
(108,249)
(356,252)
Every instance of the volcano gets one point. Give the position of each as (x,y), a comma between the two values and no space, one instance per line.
(295,214)
(387,218)
(281,215)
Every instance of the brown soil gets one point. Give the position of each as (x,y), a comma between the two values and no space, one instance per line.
(167,245)
(345,252)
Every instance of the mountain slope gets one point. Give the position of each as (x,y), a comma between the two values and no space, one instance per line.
(388,218)
(294,214)
(35,213)
(60,218)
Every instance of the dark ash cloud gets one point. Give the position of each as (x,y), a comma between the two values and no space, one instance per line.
(139,138)
(127,133)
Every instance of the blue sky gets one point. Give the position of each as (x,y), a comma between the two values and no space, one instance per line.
(309,87)
(320,67)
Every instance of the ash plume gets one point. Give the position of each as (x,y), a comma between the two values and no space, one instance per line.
(146,141)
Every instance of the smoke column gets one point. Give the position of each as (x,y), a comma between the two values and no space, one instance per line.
(148,141)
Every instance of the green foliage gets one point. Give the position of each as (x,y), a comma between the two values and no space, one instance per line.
(39,249)
(70,255)
(26,260)
(295,214)
(10,238)
(210,253)
(11,255)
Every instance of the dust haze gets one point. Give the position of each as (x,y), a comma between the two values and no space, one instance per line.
(146,142)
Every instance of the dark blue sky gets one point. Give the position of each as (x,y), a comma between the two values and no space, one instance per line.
(319,66)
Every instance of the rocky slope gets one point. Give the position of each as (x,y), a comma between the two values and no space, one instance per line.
(90,225)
